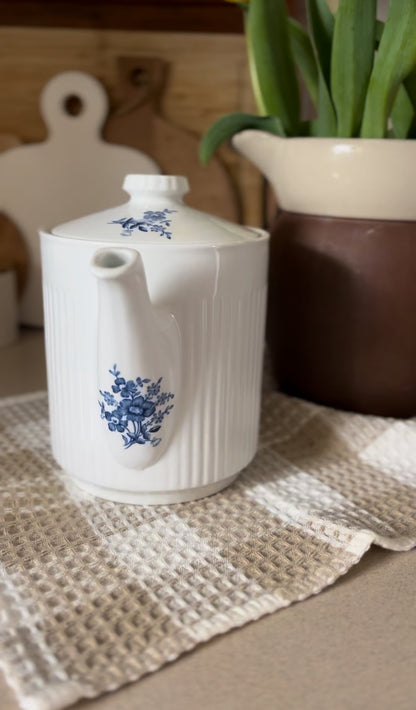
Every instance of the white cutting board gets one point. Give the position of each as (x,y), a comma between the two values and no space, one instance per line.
(72,173)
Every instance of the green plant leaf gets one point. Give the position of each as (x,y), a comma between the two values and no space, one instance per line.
(410,86)
(396,58)
(352,59)
(321,29)
(379,31)
(227,126)
(272,66)
(304,57)
(402,114)
(321,24)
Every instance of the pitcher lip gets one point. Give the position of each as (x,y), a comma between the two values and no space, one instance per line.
(329,140)
(359,178)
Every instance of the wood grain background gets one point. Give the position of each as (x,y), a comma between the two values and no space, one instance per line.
(207,78)
(160,15)
(201,40)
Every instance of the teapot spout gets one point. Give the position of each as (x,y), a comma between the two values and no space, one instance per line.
(138,363)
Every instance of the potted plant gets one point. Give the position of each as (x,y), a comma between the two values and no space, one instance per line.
(342,281)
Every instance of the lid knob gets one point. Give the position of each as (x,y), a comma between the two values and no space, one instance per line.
(161,184)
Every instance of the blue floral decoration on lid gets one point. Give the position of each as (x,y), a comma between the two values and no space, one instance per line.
(152,221)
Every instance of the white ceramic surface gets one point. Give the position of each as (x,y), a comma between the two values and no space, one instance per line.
(357,178)
(71,173)
(8,308)
(159,298)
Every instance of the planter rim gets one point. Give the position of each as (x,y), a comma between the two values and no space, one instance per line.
(331,140)
(368,178)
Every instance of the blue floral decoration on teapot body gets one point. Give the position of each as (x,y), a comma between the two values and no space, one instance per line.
(152,221)
(135,409)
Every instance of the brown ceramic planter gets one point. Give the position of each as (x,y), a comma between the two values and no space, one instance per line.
(342,311)
(342,288)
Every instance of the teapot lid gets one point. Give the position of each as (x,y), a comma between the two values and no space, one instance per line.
(155,214)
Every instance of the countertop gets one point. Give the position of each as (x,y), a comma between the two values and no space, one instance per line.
(352,647)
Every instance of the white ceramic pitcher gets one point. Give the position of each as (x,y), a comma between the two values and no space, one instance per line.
(154,320)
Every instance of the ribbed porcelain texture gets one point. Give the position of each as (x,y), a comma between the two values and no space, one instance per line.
(154,323)
(218,297)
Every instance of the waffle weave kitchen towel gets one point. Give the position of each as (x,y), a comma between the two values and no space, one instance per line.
(95,594)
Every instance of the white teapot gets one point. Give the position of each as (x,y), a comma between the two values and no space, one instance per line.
(154,325)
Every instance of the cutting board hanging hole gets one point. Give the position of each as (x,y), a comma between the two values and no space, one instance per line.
(139,77)
(74,95)
(73,105)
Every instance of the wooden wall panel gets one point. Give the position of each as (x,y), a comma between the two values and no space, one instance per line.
(208,78)
(160,15)
(170,16)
